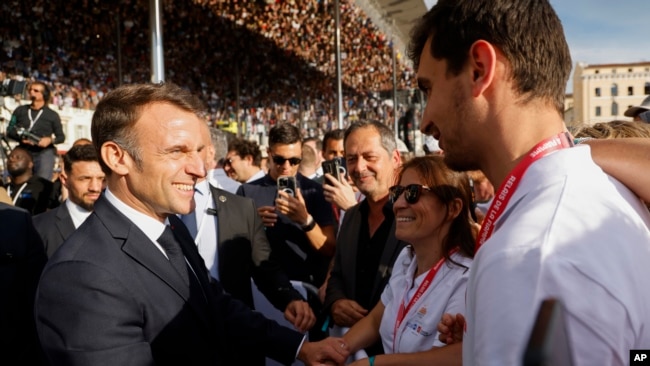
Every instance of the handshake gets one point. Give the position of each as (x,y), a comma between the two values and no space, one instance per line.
(26,135)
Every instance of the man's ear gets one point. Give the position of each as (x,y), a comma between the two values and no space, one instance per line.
(116,158)
(63,178)
(482,63)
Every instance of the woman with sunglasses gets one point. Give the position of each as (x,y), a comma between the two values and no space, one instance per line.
(431,206)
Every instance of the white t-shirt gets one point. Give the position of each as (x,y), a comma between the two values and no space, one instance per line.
(446,294)
(573,233)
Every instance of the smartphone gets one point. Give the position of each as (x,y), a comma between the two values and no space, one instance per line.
(287,183)
(335,167)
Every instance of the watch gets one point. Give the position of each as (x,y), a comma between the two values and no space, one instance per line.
(310,225)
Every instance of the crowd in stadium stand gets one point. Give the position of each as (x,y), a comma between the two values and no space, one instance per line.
(278,56)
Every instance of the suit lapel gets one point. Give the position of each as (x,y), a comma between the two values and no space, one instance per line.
(221,203)
(139,247)
(64,223)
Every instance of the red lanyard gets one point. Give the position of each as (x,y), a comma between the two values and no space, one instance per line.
(403,310)
(510,184)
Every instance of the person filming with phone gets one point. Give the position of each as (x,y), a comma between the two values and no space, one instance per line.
(299,222)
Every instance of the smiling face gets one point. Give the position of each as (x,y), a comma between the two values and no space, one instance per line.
(370,166)
(418,223)
(171,144)
(449,114)
(237,167)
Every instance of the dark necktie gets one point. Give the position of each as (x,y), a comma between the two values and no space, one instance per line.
(174,253)
(190,221)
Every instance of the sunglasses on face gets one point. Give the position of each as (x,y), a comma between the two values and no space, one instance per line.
(35,90)
(411,192)
(279,160)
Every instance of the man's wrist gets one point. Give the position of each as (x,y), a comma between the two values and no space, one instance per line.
(309,224)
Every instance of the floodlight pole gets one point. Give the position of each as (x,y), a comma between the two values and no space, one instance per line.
(337,41)
(392,47)
(157,55)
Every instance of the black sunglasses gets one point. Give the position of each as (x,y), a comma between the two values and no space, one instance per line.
(411,192)
(279,160)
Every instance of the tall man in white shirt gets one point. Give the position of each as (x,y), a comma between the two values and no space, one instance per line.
(494,73)
(84,179)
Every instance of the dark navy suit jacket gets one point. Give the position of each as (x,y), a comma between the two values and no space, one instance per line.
(109,296)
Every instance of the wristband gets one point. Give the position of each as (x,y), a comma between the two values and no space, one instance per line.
(310,225)
(371,360)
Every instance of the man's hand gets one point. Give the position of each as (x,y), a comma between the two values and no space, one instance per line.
(346,312)
(338,192)
(293,207)
(451,328)
(299,313)
(45,141)
(268,215)
(326,352)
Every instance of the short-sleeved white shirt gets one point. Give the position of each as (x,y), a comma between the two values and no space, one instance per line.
(446,294)
(572,233)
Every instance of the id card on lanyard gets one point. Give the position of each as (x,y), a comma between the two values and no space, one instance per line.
(404,309)
(510,184)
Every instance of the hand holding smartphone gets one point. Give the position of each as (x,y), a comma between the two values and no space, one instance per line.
(335,167)
(287,183)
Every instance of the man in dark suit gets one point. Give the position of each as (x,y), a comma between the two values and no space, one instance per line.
(231,240)
(366,247)
(118,291)
(84,180)
(21,260)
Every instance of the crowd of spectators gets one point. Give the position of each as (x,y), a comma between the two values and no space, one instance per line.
(277,56)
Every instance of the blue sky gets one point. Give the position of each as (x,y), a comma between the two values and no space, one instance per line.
(604,31)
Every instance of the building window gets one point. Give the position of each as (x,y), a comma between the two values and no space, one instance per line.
(629,70)
(597,72)
(614,109)
(646,88)
(614,90)
(597,92)
(630,90)
(597,111)
(613,71)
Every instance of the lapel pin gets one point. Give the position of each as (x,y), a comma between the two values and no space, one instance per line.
(222,198)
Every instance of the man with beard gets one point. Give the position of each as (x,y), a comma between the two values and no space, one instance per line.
(84,180)
(34,125)
(494,74)
(27,190)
